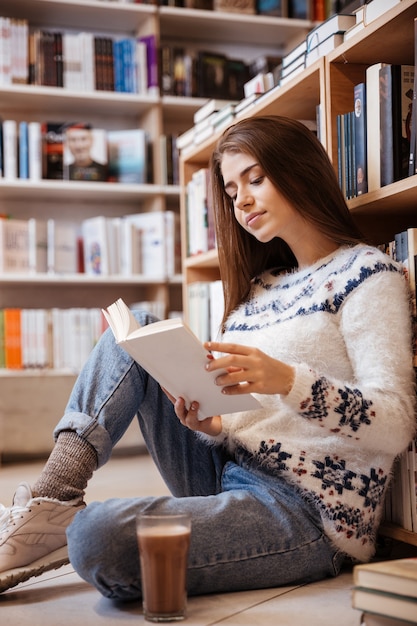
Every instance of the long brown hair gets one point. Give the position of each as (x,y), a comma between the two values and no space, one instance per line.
(297,164)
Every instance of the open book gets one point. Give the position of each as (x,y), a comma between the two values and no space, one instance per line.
(172,354)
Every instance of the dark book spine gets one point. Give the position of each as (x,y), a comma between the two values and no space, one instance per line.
(361,158)
(386,125)
(59,60)
(52,151)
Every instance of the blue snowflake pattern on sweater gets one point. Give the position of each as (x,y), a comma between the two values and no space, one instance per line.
(353,409)
(307,287)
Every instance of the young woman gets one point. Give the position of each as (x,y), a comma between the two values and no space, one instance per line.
(317,326)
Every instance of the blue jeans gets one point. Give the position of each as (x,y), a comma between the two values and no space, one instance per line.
(249,529)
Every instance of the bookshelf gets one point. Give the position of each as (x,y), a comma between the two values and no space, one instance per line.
(328,83)
(235,34)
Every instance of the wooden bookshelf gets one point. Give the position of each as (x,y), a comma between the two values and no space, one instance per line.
(328,84)
(245,37)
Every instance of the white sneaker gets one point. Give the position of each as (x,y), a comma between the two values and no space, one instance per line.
(32,536)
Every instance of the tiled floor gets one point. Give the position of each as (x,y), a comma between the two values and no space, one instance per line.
(61,598)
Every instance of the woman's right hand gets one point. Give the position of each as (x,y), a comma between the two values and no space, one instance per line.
(188,417)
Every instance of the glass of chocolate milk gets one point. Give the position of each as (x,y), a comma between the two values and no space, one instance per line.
(163,542)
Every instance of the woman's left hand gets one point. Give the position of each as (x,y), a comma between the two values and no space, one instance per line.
(249,370)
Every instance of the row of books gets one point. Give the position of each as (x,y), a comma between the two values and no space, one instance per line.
(77,151)
(374,139)
(401,501)
(145,244)
(80,61)
(338,26)
(296,9)
(205,309)
(208,74)
(85,62)
(199,215)
(386,592)
(48,338)
(60,339)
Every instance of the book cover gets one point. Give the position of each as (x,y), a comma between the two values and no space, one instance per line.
(361,157)
(85,153)
(235,6)
(335,24)
(152,59)
(23,150)
(373,137)
(149,247)
(14,246)
(10,150)
(171,353)
(211,106)
(38,245)
(94,232)
(211,75)
(277,8)
(53,150)
(35,150)
(388,604)
(62,252)
(396,84)
(397,576)
(12,338)
(127,154)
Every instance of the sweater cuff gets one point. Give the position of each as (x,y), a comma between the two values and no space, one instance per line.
(301,390)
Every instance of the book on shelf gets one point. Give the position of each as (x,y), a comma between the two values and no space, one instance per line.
(52,150)
(85,152)
(361,157)
(10,149)
(14,249)
(152,63)
(23,150)
(395,97)
(38,245)
(373,136)
(12,338)
(275,8)
(323,48)
(128,155)
(172,354)
(299,9)
(412,163)
(335,24)
(62,249)
(35,150)
(260,83)
(96,245)
(205,309)
(235,6)
(211,75)
(213,105)
(151,244)
(382,603)
(376,8)
(398,576)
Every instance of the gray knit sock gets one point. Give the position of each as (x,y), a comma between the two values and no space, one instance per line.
(68,469)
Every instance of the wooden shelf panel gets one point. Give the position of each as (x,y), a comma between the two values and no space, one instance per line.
(81,14)
(231,27)
(48,102)
(24,189)
(62,280)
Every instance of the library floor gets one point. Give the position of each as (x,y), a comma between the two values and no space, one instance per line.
(61,598)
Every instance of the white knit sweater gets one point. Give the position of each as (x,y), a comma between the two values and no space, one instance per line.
(344,324)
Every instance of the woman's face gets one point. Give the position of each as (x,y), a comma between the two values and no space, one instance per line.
(258,206)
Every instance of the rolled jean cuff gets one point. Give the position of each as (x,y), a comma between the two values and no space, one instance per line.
(90,430)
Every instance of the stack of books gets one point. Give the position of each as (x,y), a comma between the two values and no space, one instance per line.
(386,592)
